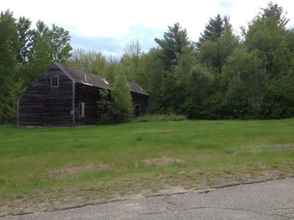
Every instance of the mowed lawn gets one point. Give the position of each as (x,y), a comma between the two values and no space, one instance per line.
(109,160)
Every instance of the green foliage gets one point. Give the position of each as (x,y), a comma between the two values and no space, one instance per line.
(122,100)
(176,56)
(220,76)
(269,38)
(59,44)
(50,45)
(24,54)
(41,53)
(174,41)
(267,34)
(8,99)
(160,117)
(179,87)
(213,30)
(225,77)
(132,63)
(199,91)
(214,51)
(275,12)
(245,78)
(8,66)
(154,68)
(105,108)
(25,37)
(94,62)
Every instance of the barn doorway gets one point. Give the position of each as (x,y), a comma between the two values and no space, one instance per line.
(137,110)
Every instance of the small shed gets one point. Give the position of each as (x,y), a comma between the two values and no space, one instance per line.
(63,96)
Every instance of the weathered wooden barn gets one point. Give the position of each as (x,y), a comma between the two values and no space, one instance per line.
(63,97)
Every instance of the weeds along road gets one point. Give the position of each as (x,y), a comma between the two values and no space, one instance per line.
(272,200)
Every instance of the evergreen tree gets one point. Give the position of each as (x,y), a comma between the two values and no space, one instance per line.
(173,43)
(213,54)
(214,51)
(221,77)
(267,36)
(212,31)
(275,12)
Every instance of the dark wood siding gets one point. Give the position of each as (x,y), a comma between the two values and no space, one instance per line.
(42,104)
(140,103)
(48,102)
(88,95)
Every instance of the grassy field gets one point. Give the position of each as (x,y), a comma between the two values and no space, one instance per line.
(64,164)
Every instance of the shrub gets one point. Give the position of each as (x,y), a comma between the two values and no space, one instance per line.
(122,100)
(160,117)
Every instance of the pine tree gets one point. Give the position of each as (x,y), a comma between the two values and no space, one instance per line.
(214,51)
(213,30)
(275,12)
(173,44)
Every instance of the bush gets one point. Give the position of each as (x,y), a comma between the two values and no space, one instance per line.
(116,105)
(105,111)
(122,100)
(160,117)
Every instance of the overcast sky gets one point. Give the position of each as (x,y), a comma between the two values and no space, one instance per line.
(108,25)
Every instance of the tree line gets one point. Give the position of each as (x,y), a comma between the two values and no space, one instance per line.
(221,75)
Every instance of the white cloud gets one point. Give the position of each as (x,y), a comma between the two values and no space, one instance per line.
(115,18)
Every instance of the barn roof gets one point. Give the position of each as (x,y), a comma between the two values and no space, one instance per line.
(95,80)
(135,87)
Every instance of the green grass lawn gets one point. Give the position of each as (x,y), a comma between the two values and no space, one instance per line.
(108,160)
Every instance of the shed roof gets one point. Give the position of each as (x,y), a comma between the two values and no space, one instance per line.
(94,80)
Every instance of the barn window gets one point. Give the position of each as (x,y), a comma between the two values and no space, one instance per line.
(54,82)
(82,109)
